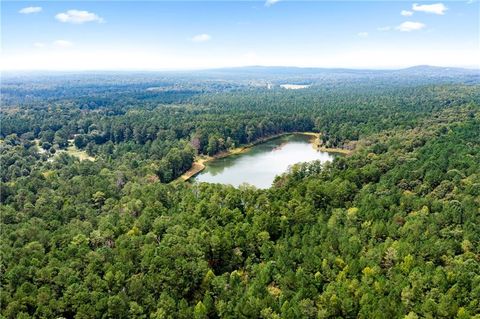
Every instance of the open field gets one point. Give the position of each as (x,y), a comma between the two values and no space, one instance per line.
(70,150)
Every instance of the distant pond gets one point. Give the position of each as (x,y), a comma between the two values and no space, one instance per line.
(259,165)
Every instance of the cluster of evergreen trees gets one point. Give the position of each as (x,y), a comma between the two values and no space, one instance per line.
(144,129)
(391,231)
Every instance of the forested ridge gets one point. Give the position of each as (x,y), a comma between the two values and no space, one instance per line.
(390,231)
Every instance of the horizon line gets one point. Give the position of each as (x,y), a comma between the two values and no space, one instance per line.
(472,68)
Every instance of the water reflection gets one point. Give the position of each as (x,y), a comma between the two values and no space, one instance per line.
(260,164)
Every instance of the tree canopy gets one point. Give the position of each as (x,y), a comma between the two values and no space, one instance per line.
(390,231)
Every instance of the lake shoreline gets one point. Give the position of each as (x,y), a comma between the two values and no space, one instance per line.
(200,161)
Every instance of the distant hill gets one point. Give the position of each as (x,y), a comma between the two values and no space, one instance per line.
(414,70)
(297,75)
(254,76)
(427,70)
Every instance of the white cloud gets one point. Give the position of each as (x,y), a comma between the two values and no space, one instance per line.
(437,8)
(29,10)
(39,44)
(62,44)
(408,26)
(362,34)
(384,29)
(406,13)
(201,38)
(78,17)
(269,3)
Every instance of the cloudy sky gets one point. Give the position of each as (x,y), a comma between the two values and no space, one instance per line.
(157,35)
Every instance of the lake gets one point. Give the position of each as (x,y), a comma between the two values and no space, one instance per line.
(259,165)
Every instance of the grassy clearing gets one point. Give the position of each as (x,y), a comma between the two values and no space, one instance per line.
(70,150)
(39,148)
(74,151)
(81,155)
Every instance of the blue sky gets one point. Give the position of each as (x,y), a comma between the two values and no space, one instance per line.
(156,35)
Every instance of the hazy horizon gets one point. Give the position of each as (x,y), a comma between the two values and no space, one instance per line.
(473,68)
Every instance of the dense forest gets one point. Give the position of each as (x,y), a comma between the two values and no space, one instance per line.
(390,231)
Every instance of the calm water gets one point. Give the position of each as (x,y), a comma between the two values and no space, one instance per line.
(260,164)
